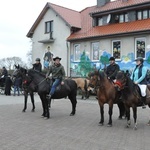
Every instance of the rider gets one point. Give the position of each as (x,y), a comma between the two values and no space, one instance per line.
(112,69)
(37,66)
(58,75)
(139,77)
(4,74)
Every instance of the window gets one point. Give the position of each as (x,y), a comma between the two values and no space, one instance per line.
(140,47)
(95,51)
(77,52)
(145,14)
(100,21)
(49,27)
(116,49)
(121,18)
(139,15)
(126,18)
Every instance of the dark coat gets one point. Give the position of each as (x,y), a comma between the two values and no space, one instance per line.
(8,84)
(37,67)
(112,70)
(18,82)
(5,73)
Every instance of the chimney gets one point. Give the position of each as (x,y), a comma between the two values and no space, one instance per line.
(102,2)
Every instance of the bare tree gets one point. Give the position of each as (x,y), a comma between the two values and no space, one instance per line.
(29,56)
(11,61)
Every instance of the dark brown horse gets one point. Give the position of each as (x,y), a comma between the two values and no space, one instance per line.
(27,86)
(43,87)
(131,96)
(106,93)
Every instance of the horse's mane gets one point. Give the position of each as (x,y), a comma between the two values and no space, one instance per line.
(37,72)
(130,86)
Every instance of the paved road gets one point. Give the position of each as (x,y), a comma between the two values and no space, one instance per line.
(28,131)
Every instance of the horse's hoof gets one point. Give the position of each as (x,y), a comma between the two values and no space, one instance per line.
(46,118)
(42,116)
(127,126)
(72,114)
(32,110)
(23,110)
(135,128)
(148,123)
(101,124)
(109,125)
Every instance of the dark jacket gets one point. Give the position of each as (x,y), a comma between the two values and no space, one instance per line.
(37,67)
(57,71)
(18,82)
(5,73)
(112,70)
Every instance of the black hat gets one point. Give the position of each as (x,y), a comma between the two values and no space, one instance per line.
(56,58)
(111,58)
(37,59)
(139,59)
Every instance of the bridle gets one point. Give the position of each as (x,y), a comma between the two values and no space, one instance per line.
(120,84)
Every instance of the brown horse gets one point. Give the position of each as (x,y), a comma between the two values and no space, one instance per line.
(82,83)
(106,93)
(131,96)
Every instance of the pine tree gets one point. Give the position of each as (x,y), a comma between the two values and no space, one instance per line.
(85,64)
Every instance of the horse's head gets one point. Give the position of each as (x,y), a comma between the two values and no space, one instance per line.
(93,80)
(19,71)
(121,80)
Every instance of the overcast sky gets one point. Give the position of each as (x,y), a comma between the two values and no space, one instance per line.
(17,17)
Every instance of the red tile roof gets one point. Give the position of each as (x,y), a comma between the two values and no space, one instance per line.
(84,21)
(72,17)
(88,31)
(113,29)
(119,4)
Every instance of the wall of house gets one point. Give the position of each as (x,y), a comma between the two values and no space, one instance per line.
(60,33)
(126,61)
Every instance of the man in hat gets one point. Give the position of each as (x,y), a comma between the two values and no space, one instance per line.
(58,75)
(112,69)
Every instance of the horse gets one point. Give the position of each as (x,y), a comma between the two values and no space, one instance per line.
(131,96)
(43,87)
(82,84)
(27,86)
(106,93)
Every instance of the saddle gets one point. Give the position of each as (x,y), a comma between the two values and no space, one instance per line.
(59,87)
(140,96)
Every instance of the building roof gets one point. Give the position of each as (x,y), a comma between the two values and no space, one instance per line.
(113,29)
(83,21)
(71,17)
(88,31)
(119,4)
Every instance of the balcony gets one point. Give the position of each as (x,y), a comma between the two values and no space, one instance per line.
(50,39)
